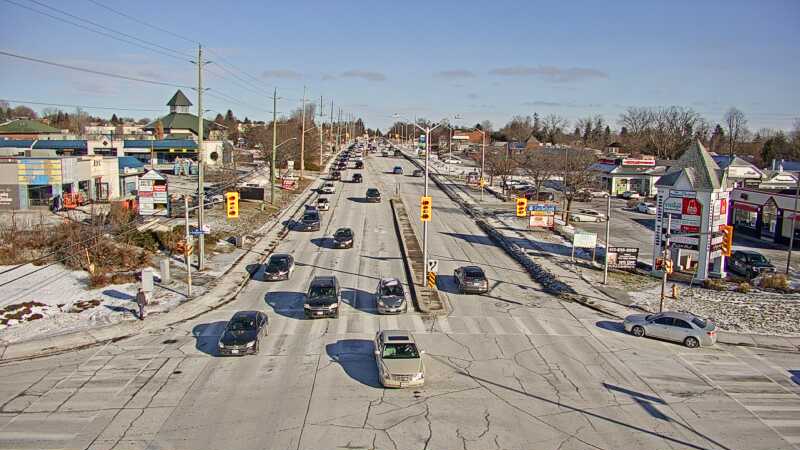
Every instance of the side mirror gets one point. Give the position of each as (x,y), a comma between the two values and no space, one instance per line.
(377,352)
(422,352)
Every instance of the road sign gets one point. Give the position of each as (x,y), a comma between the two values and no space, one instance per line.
(433,265)
(431,280)
(584,240)
(232,204)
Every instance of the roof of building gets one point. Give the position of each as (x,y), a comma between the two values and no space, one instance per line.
(129,162)
(46,144)
(160,144)
(180,121)
(26,126)
(700,169)
(725,161)
(787,165)
(179,99)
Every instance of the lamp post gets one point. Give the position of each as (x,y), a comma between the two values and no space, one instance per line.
(427,131)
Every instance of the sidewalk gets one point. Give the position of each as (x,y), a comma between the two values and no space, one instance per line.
(225,290)
(548,261)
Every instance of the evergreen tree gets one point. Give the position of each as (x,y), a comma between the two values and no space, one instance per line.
(114,119)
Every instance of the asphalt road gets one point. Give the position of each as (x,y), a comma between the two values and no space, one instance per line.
(514,369)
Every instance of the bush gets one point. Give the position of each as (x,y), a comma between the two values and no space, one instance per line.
(743,287)
(143,239)
(776,281)
(714,284)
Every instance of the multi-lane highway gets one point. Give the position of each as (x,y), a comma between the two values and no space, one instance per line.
(512,369)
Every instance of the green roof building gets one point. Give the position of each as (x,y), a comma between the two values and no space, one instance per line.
(25,129)
(179,121)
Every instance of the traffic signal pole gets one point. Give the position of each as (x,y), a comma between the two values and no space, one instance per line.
(425,193)
(608,239)
(186,254)
(664,267)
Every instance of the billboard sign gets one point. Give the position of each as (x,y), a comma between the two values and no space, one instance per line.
(623,257)
(584,240)
(543,221)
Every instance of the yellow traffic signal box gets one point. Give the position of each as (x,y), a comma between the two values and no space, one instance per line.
(232,205)
(522,206)
(425,209)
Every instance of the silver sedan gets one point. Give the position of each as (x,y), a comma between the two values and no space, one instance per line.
(688,329)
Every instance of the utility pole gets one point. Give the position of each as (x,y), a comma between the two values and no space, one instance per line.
(201,189)
(321,130)
(483,160)
(339,129)
(274,146)
(794,222)
(303,138)
(664,263)
(425,223)
(187,247)
(608,237)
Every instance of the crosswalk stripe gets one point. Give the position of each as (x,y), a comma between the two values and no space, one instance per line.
(521,325)
(318,327)
(341,325)
(496,325)
(793,439)
(391,323)
(778,423)
(546,327)
(290,326)
(756,396)
(419,326)
(768,408)
(369,325)
(471,325)
(444,325)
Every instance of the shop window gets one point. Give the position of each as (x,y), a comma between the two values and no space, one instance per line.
(743,218)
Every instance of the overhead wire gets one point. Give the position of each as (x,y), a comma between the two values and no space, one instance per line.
(29,102)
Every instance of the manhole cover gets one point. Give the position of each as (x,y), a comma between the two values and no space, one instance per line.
(170,341)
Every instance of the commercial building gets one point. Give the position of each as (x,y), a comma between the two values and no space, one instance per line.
(617,175)
(26,129)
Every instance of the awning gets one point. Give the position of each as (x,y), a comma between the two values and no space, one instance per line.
(745,207)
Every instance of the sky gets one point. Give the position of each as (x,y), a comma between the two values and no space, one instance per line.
(475,60)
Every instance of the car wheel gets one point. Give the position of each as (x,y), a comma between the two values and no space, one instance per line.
(637,331)
(691,342)
(599,220)
(576,219)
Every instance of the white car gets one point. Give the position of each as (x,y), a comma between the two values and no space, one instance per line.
(598,194)
(646,208)
(587,215)
(628,195)
(452,161)
(328,188)
(323,204)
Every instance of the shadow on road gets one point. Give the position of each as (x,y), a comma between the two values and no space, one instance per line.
(648,223)
(360,300)
(610,326)
(255,272)
(358,199)
(207,335)
(795,376)
(113,293)
(357,359)
(124,309)
(323,242)
(447,284)
(286,303)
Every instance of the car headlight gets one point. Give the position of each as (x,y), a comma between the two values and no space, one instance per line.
(380,302)
(306,307)
(418,376)
(220,344)
(250,344)
(334,306)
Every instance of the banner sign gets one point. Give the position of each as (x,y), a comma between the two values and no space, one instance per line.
(584,240)
(623,257)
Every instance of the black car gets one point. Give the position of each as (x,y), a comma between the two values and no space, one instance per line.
(749,263)
(417,173)
(359,165)
(343,238)
(323,297)
(311,220)
(279,267)
(373,195)
(335,175)
(397,170)
(357,178)
(243,333)
(471,279)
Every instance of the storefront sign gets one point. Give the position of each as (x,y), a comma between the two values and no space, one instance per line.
(638,162)
(584,240)
(623,257)
(691,207)
(687,194)
(542,221)
(723,206)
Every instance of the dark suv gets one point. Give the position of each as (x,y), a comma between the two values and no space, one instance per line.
(373,195)
(357,178)
(749,263)
(323,298)
(471,279)
(311,220)
(343,238)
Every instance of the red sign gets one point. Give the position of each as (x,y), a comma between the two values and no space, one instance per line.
(638,162)
(691,207)
(160,188)
(723,206)
(689,229)
(145,194)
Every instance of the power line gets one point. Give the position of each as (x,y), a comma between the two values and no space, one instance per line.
(95,72)
(142,22)
(28,102)
(181,56)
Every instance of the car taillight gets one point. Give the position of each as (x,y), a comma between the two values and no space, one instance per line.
(711,333)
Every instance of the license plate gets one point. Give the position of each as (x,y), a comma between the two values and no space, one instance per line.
(318,313)
(403,384)
(234,351)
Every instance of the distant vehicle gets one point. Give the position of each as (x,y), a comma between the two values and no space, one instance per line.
(357,178)
(390,296)
(471,279)
(397,170)
(541,196)
(597,193)
(243,333)
(417,173)
(397,152)
(323,204)
(328,188)
(582,196)
(587,215)
(343,238)
(452,161)
(359,165)
(686,328)
(279,267)
(398,359)
(323,297)
(628,195)
(335,175)
(646,208)
(749,263)
(384,153)
(373,195)
(311,221)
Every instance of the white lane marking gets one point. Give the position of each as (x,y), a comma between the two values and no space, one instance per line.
(368,325)
(341,325)
(778,423)
(472,326)
(773,408)
(496,325)
(546,327)
(521,326)
(318,327)
(444,325)
(391,323)
(289,329)
(419,325)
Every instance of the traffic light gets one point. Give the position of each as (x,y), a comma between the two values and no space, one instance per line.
(232,205)
(665,265)
(522,206)
(425,212)
(727,239)
(668,266)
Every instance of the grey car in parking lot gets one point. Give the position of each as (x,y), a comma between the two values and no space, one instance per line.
(688,329)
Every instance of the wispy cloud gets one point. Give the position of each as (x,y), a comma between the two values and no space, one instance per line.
(473,96)
(549,104)
(454,74)
(550,73)
(287,74)
(328,77)
(364,74)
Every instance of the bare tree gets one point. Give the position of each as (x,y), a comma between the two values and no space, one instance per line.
(575,166)
(540,166)
(498,163)
(553,126)
(736,124)
(518,129)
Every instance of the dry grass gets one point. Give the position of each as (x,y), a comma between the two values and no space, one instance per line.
(777,281)
(714,284)
(743,288)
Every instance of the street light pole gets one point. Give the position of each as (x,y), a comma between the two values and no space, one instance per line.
(274,146)
(608,237)
(303,138)
(201,191)
(321,130)
(483,161)
(794,222)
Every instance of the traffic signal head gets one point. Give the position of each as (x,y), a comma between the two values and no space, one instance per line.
(727,239)
(522,206)
(425,208)
(232,205)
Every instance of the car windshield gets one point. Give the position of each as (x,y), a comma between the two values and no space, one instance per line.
(310,217)
(400,351)
(275,265)
(322,291)
(373,192)
(392,289)
(702,323)
(757,258)
(473,273)
(242,324)
(344,233)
